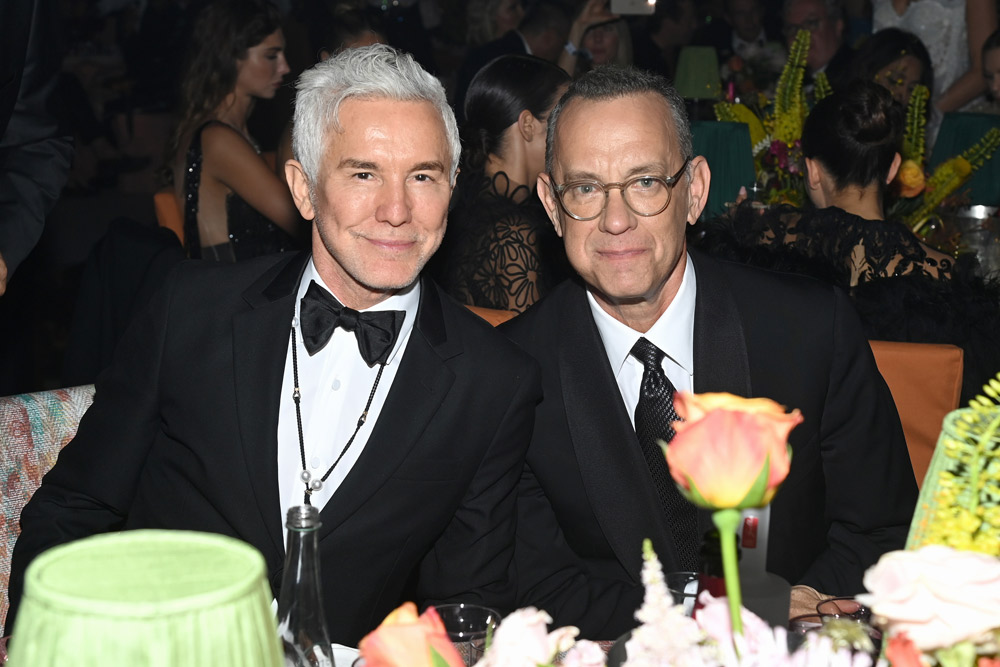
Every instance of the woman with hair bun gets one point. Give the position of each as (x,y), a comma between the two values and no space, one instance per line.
(904,290)
(500,250)
(235,206)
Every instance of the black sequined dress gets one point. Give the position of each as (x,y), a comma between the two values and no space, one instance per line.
(250,233)
(500,250)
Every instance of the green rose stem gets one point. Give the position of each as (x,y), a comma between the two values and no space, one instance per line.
(727,521)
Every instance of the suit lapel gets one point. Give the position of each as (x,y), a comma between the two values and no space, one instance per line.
(259,357)
(614,472)
(720,349)
(417,393)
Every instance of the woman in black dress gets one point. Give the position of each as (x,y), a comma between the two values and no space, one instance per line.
(500,250)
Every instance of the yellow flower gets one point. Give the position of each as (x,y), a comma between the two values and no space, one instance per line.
(911,179)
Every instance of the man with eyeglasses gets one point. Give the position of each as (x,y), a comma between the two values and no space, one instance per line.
(647,317)
(824,20)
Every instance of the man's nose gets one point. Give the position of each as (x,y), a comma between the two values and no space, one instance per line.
(393,204)
(618,218)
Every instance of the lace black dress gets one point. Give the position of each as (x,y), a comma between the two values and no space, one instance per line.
(250,233)
(500,250)
(903,290)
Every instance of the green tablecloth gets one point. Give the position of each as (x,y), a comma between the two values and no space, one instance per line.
(960,130)
(726,146)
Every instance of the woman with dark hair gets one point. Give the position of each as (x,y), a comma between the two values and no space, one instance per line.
(903,289)
(896,60)
(991,65)
(500,250)
(235,206)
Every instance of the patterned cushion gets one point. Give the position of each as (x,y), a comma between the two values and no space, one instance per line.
(33,428)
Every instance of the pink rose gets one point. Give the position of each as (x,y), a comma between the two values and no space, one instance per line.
(523,640)
(714,620)
(937,595)
(730,452)
(584,654)
(405,640)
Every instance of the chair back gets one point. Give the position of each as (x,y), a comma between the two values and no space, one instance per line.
(494,316)
(926,383)
(33,428)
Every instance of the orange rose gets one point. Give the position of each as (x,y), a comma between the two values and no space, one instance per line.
(407,640)
(902,652)
(911,179)
(730,452)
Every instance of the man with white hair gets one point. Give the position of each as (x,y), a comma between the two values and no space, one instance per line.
(337,378)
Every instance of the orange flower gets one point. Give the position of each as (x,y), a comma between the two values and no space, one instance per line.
(902,652)
(730,452)
(406,640)
(911,179)
(735,63)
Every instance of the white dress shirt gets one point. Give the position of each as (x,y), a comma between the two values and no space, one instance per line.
(335,384)
(673,333)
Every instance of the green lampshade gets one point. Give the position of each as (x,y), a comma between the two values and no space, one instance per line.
(147,598)
(697,76)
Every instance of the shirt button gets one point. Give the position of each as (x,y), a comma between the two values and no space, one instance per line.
(314,462)
(336,385)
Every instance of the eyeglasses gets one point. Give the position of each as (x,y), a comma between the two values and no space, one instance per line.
(644,195)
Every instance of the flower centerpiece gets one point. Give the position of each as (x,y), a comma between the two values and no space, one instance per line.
(406,638)
(919,196)
(776,127)
(729,453)
(753,73)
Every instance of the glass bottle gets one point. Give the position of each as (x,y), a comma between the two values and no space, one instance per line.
(301,620)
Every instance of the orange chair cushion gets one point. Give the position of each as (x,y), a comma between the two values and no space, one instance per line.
(492,315)
(926,383)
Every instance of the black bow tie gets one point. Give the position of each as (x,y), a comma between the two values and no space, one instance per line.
(375,330)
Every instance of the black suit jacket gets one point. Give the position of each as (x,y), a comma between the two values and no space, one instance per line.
(34,159)
(586,500)
(182,434)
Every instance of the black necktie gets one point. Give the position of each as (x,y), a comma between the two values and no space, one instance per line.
(653,416)
(321,313)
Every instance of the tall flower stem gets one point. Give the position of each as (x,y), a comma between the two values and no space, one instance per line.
(727,521)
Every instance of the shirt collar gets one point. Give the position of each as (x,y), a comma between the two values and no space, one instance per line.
(739,43)
(673,332)
(406,299)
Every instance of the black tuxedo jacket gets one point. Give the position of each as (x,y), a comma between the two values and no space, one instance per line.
(587,501)
(182,434)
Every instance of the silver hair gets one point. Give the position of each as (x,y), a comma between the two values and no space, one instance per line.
(612,82)
(368,72)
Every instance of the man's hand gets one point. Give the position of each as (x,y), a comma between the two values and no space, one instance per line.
(804,600)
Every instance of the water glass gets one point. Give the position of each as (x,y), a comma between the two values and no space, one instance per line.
(683,586)
(467,626)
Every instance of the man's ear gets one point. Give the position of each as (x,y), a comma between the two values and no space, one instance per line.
(299,185)
(545,193)
(701,179)
(526,123)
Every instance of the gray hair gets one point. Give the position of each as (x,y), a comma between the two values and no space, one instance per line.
(611,82)
(368,72)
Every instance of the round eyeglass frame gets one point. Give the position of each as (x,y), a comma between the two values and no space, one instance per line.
(670,182)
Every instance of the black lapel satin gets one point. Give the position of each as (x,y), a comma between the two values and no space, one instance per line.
(260,345)
(720,348)
(614,473)
(418,392)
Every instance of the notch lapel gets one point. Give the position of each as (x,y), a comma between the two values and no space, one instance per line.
(614,472)
(260,345)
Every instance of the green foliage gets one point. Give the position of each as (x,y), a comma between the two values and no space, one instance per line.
(916,121)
